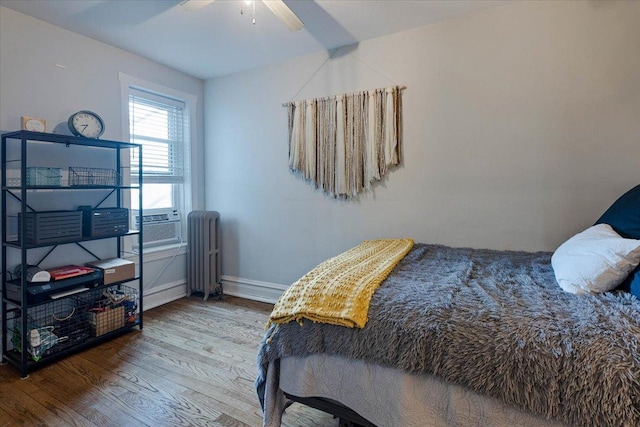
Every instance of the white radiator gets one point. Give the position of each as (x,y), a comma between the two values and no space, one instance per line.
(203,253)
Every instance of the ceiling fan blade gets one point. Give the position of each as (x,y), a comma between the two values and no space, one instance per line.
(191,5)
(284,14)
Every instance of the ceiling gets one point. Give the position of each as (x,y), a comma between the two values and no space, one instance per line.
(217,40)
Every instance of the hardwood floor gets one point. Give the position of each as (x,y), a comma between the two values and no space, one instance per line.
(193,365)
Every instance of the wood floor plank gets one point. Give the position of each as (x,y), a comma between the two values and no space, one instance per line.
(50,409)
(194,364)
(198,378)
(5,418)
(75,395)
(161,388)
(154,399)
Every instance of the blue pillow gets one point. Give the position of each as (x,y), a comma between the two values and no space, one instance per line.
(634,287)
(632,283)
(624,215)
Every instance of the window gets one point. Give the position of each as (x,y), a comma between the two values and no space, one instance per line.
(158,124)
(162,120)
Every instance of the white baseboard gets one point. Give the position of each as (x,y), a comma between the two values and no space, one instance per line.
(235,286)
(252,289)
(163,294)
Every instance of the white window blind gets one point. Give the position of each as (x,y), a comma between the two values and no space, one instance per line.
(157,123)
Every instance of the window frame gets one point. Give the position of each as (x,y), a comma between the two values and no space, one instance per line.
(185,198)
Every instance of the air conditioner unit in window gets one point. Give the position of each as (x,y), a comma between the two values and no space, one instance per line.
(160,226)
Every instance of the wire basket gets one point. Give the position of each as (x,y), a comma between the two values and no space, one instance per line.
(68,321)
(54,326)
(44,176)
(81,176)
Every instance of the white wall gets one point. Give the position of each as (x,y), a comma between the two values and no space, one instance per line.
(31,84)
(521,127)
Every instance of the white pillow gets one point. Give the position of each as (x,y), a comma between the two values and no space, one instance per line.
(596,260)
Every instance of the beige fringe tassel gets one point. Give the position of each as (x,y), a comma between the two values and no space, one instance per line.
(344,143)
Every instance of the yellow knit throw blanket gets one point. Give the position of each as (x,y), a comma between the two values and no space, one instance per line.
(338,290)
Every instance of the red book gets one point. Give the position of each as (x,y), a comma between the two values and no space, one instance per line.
(67,271)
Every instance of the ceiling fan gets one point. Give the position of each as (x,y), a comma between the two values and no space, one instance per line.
(278,7)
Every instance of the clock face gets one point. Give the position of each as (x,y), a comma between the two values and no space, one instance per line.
(86,124)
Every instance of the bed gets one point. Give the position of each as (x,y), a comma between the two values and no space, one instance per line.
(461,336)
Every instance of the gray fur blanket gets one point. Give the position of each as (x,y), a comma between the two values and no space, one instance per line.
(498,323)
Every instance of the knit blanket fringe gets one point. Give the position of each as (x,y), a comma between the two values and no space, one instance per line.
(338,290)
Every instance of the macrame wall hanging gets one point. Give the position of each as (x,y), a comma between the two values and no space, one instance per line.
(344,143)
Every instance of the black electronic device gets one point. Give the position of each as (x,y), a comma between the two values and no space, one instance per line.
(104,222)
(39,292)
(52,226)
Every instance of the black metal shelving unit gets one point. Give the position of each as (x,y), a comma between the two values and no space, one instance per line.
(20,318)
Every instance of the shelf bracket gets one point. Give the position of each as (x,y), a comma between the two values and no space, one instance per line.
(105,198)
(88,251)
(46,255)
(20,200)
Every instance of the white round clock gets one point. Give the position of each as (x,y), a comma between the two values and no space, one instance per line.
(86,124)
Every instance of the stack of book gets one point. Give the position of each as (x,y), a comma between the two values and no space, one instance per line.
(67,271)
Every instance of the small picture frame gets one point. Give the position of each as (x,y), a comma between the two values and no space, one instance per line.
(34,124)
